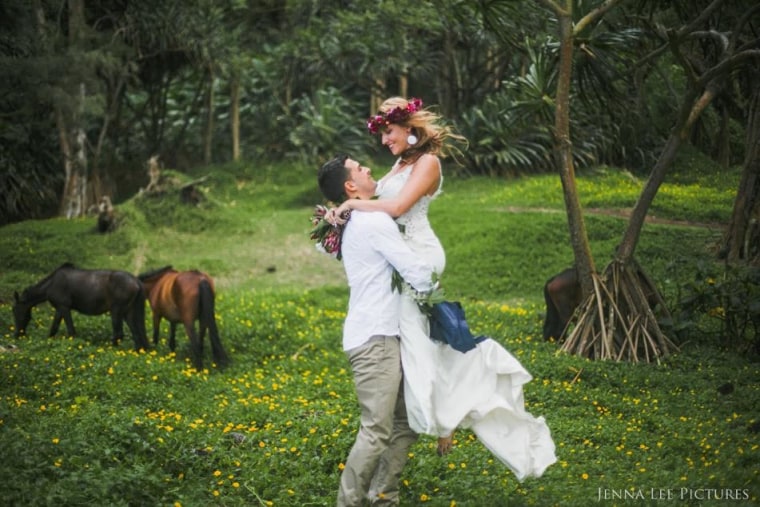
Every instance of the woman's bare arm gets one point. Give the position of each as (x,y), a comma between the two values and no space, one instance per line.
(424,180)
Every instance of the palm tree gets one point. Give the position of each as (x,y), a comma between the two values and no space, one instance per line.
(616,319)
(606,334)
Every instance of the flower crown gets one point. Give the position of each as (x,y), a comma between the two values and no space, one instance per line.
(395,115)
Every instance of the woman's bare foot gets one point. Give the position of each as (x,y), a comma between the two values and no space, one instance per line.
(445,444)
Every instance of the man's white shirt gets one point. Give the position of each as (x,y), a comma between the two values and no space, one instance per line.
(372,247)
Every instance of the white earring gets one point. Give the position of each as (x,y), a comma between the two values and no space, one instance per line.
(412,139)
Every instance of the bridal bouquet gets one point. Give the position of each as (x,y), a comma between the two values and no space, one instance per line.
(326,234)
(425,300)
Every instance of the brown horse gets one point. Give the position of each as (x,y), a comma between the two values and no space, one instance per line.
(184,297)
(90,292)
(563,295)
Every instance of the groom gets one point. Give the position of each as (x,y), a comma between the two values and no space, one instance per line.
(372,247)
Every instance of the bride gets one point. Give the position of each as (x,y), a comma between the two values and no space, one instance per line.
(481,389)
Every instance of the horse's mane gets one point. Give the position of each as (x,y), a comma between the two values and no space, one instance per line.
(27,292)
(65,265)
(155,272)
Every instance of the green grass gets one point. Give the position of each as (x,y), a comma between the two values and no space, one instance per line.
(83,423)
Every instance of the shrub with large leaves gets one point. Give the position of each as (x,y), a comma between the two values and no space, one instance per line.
(327,124)
(511,133)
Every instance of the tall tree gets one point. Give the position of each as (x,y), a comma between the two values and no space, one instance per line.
(69,115)
(741,241)
(617,320)
(235,114)
(584,262)
(742,238)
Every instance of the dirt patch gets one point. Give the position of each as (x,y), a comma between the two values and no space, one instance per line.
(623,213)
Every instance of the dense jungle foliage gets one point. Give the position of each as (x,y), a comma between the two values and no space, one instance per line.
(108,84)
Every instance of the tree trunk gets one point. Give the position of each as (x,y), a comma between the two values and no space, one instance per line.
(235,115)
(377,95)
(71,131)
(76,21)
(403,85)
(73,148)
(615,320)
(208,133)
(63,138)
(584,262)
(450,76)
(620,322)
(100,184)
(690,111)
(742,238)
(723,148)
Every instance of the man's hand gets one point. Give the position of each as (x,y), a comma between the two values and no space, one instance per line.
(337,216)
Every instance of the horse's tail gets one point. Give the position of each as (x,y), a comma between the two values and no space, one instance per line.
(137,316)
(208,320)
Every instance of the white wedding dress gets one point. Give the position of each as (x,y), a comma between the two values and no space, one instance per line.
(444,388)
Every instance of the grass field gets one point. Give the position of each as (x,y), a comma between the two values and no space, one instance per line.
(84,423)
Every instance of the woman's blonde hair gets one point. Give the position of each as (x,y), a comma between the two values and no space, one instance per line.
(434,136)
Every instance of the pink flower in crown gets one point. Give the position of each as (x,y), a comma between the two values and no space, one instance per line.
(396,115)
(375,123)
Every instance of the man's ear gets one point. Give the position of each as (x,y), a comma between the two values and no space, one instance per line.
(349,187)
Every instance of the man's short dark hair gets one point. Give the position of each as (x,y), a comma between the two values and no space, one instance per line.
(332,177)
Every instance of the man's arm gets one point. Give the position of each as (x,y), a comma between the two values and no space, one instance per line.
(387,239)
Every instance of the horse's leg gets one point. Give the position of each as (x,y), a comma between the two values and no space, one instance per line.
(117,324)
(156,327)
(136,323)
(172,336)
(134,330)
(196,345)
(56,321)
(66,314)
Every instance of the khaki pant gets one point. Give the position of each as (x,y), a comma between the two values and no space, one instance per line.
(374,465)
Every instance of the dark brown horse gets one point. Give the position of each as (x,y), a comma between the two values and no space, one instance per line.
(90,292)
(184,297)
(563,295)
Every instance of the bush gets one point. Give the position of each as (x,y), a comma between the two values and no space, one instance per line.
(327,124)
(723,307)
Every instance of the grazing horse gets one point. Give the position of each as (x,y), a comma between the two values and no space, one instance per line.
(185,296)
(562,294)
(90,292)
